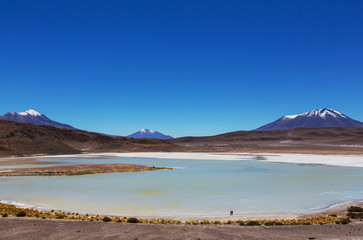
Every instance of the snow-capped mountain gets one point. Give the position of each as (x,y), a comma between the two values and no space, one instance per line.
(314,119)
(146,133)
(33,117)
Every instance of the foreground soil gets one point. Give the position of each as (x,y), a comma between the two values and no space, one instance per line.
(24,228)
(76,170)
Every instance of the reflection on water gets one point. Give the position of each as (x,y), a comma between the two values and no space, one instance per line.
(195,187)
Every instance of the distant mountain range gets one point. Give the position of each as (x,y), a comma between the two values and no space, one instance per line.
(319,118)
(318,131)
(146,133)
(36,118)
(33,117)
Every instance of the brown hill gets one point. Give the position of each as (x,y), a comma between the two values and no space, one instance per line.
(280,135)
(313,140)
(24,139)
(21,139)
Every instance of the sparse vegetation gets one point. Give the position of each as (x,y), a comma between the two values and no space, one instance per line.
(355,209)
(132,220)
(107,219)
(253,223)
(21,214)
(343,221)
(355,215)
(355,212)
(11,210)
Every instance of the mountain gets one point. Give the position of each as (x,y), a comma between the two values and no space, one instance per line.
(33,117)
(319,118)
(19,139)
(146,133)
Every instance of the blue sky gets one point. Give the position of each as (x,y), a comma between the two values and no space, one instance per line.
(180,67)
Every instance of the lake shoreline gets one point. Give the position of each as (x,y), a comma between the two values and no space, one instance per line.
(311,159)
(338,209)
(336,212)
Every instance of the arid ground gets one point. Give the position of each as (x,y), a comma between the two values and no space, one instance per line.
(15,228)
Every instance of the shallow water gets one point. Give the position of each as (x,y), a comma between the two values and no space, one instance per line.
(196,187)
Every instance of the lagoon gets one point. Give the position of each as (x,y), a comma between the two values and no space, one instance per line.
(193,188)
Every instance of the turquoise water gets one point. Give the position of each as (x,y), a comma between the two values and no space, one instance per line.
(196,187)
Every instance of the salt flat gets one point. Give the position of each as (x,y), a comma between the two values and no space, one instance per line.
(333,160)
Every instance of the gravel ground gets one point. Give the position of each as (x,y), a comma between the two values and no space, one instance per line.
(25,228)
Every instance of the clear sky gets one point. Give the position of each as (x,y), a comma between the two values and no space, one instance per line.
(180,67)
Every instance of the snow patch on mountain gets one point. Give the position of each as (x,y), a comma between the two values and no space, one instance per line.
(323,113)
(33,117)
(289,116)
(30,112)
(313,119)
(147,133)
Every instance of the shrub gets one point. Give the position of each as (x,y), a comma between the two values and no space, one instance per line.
(253,223)
(344,221)
(355,209)
(279,223)
(269,223)
(355,215)
(132,220)
(242,223)
(5,215)
(106,219)
(21,214)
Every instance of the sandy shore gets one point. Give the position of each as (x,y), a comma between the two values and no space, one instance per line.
(339,209)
